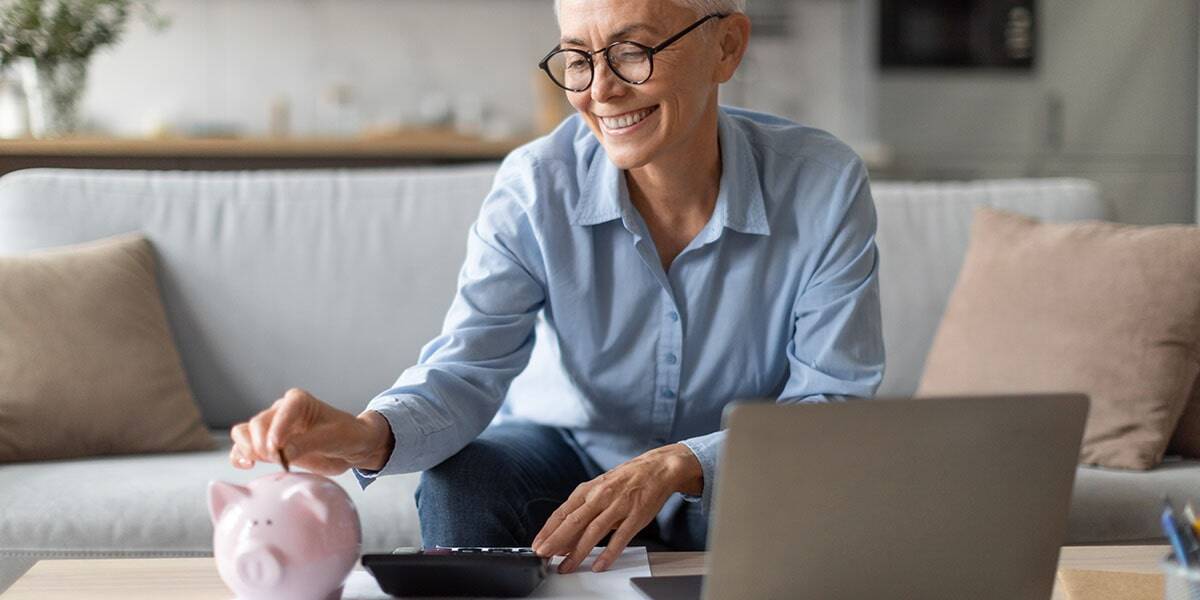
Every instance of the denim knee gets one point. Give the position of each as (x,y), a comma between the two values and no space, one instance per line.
(464,501)
(475,472)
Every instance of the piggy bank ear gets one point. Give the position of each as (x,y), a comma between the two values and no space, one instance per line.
(306,496)
(222,495)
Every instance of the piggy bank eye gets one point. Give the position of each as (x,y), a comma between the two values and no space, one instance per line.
(268,521)
(256,521)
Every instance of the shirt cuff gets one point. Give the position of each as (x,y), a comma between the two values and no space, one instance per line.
(365,478)
(406,433)
(707,449)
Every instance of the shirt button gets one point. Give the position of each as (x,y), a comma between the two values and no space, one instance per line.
(674,316)
(668,393)
(671,359)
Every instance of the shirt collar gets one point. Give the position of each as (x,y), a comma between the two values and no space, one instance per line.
(603,194)
(739,206)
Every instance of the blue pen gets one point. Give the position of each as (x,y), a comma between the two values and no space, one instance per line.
(1171,528)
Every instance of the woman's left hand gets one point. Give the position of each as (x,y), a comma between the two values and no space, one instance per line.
(624,499)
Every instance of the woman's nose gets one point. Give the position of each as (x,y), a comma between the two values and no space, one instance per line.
(605,83)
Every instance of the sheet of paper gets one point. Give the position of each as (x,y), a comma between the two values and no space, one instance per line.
(583,584)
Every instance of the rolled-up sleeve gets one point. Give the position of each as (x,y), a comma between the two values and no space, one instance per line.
(836,349)
(443,402)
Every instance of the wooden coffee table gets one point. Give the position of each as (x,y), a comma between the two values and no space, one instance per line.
(196,578)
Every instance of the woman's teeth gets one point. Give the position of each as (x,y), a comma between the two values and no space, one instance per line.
(627,120)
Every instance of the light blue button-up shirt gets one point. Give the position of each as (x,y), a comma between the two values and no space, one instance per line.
(776,298)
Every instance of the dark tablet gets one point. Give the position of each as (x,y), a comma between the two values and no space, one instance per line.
(489,572)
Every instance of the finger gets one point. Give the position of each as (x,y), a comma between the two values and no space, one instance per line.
(241,446)
(554,523)
(258,435)
(573,525)
(292,412)
(592,534)
(237,460)
(618,542)
(574,501)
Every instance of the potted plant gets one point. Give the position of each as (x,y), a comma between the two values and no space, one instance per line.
(51,41)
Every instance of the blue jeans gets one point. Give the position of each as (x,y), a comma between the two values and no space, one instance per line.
(501,489)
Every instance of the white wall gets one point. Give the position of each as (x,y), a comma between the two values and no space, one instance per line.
(822,74)
(228,60)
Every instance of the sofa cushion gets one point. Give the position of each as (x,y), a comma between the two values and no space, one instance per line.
(87,361)
(1109,310)
(156,505)
(1118,506)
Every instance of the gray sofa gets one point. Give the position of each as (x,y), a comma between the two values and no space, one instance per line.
(332,281)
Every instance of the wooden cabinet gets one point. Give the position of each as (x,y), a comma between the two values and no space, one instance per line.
(1125,75)
(1113,98)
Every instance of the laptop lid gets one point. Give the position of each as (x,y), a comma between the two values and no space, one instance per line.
(917,498)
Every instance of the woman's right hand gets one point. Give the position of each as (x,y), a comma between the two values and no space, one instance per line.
(314,435)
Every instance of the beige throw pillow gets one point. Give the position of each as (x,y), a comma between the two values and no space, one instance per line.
(1105,309)
(87,363)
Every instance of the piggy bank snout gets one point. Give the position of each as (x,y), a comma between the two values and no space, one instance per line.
(259,566)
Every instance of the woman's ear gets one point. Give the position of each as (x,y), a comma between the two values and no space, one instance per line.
(733,37)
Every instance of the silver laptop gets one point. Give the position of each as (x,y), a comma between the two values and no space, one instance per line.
(919,498)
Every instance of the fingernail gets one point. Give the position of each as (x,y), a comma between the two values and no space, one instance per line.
(243,462)
(599,565)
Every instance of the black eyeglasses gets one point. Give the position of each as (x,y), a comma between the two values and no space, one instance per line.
(573,70)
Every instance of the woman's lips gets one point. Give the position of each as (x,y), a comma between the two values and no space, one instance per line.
(627,122)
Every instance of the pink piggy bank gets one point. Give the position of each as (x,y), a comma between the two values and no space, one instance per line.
(284,535)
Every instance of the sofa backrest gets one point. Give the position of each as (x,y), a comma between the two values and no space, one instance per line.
(327,280)
(922,239)
(334,280)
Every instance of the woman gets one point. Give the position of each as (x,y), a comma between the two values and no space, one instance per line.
(668,256)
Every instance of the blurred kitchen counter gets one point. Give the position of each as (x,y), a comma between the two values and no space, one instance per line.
(409,148)
(417,147)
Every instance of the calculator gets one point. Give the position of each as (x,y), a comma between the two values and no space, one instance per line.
(458,571)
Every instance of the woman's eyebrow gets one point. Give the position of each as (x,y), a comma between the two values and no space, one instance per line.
(617,35)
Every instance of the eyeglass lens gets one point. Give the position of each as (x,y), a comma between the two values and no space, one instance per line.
(573,69)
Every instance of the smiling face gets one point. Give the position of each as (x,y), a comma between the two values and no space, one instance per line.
(671,112)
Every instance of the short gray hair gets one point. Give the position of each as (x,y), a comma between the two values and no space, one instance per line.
(703,7)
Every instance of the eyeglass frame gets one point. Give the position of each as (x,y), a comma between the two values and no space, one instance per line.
(649,50)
